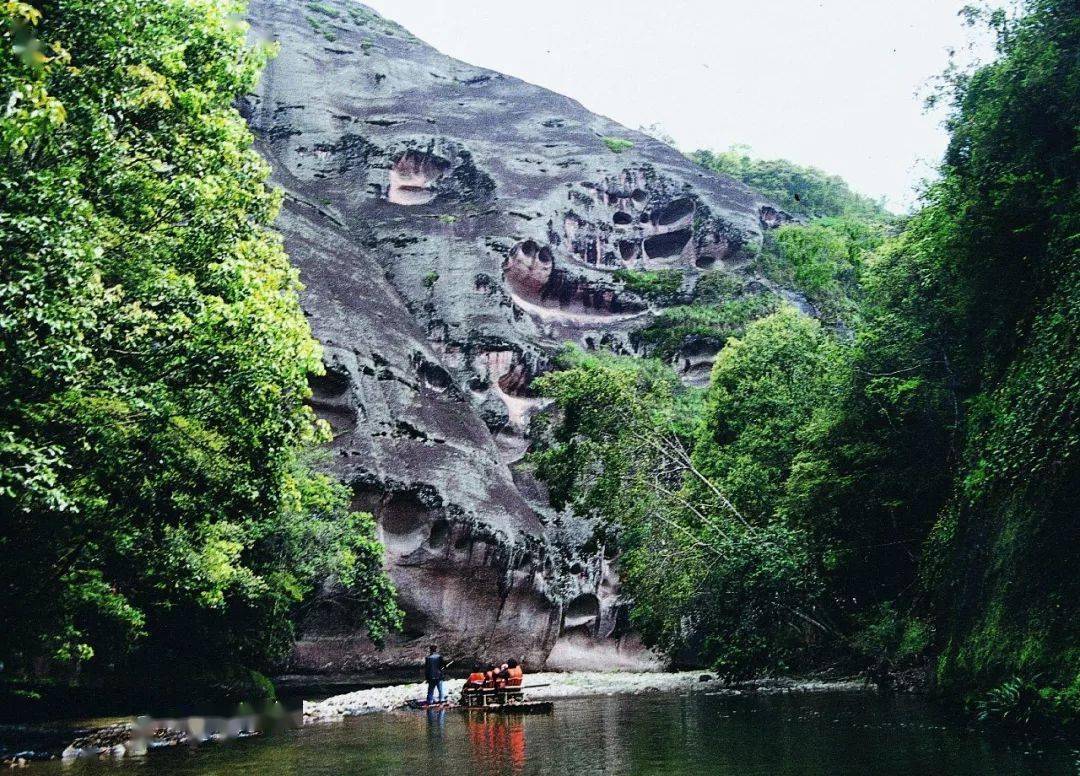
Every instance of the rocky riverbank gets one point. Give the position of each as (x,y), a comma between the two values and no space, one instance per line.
(571,685)
(142,735)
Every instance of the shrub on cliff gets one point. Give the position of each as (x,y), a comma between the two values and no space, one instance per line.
(155,499)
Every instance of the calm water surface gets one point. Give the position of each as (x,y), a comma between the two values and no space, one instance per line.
(698,734)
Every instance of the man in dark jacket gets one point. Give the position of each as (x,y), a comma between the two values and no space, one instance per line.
(433,672)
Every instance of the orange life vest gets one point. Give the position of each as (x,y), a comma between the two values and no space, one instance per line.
(513,676)
(475,678)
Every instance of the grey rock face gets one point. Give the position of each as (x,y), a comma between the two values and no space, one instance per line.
(454,227)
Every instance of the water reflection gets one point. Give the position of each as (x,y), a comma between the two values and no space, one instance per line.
(436,731)
(497,740)
(811,735)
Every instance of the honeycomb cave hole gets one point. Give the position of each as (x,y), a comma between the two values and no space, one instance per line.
(666,246)
(531,277)
(416,624)
(434,376)
(675,211)
(622,218)
(335,382)
(515,382)
(583,610)
(528,268)
(713,249)
(413,177)
(402,514)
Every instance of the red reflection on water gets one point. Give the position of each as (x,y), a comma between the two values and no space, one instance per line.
(497,739)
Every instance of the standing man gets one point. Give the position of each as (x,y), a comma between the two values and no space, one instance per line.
(433,672)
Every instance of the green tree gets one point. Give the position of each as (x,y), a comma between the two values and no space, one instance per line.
(954,448)
(155,499)
(1009,208)
(690,488)
(826,260)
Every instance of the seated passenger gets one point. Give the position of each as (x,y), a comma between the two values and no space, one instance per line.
(476,678)
(489,677)
(513,673)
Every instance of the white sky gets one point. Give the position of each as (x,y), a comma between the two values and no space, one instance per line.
(832,83)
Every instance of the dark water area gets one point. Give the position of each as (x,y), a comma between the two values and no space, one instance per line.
(778,735)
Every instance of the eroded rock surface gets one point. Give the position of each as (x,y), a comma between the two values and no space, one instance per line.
(454,227)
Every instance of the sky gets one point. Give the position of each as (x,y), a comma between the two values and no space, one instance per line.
(837,84)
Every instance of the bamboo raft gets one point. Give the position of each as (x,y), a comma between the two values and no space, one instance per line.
(501,701)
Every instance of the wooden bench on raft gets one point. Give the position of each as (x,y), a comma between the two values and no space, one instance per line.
(510,693)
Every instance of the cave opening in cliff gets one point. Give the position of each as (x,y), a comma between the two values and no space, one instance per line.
(434,376)
(666,246)
(515,381)
(622,218)
(413,177)
(528,268)
(704,261)
(675,211)
(402,514)
(582,610)
(638,196)
(335,382)
(440,532)
(416,624)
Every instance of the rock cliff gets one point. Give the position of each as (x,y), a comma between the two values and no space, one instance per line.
(454,227)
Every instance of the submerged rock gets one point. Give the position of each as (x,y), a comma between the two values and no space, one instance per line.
(453,228)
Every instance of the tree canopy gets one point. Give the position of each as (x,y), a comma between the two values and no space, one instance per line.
(157,499)
(805,191)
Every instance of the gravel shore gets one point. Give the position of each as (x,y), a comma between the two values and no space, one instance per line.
(575,684)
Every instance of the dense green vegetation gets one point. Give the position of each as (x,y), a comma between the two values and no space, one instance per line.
(895,491)
(825,259)
(159,516)
(659,286)
(824,254)
(804,191)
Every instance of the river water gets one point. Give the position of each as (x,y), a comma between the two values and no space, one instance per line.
(777,735)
